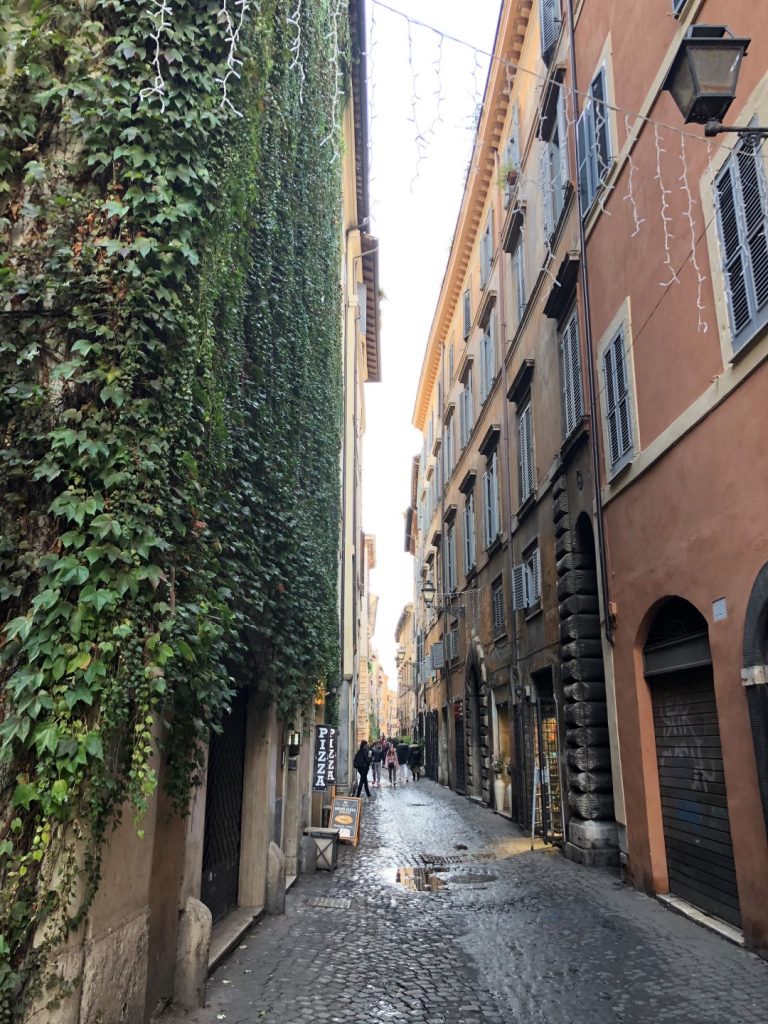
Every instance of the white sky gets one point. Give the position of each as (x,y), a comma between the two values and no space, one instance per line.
(414,222)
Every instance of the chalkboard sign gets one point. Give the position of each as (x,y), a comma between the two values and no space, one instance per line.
(346,812)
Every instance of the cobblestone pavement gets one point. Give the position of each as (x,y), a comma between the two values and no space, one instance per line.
(512,935)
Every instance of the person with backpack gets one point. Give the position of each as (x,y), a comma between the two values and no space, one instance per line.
(377,757)
(414,761)
(361,764)
(390,760)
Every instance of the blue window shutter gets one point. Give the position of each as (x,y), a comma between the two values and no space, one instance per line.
(548,15)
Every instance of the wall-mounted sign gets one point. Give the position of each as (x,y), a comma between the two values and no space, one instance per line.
(324,765)
(346,812)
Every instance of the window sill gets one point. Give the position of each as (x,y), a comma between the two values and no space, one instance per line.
(579,433)
(531,613)
(760,335)
(614,475)
(527,505)
(494,546)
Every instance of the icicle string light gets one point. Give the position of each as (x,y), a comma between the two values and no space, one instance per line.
(233,29)
(630,196)
(161,19)
(665,218)
(702,325)
(295,48)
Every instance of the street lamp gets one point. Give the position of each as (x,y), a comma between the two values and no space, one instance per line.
(703,77)
(428,592)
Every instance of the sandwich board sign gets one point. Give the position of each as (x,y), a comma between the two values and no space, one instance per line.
(346,812)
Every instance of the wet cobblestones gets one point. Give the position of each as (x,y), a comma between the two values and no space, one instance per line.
(511,936)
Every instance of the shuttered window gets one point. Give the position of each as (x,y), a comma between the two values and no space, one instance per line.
(549,17)
(466,409)
(486,251)
(525,451)
(487,359)
(518,269)
(450,560)
(677,6)
(491,501)
(617,404)
(593,142)
(741,194)
(470,555)
(497,602)
(526,581)
(553,169)
(448,449)
(570,365)
(467,313)
(512,156)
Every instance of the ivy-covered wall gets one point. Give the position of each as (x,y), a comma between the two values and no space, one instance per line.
(170,409)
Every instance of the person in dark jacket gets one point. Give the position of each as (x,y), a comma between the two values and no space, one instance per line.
(414,761)
(377,756)
(403,750)
(361,764)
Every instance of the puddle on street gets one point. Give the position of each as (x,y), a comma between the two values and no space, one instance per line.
(420,879)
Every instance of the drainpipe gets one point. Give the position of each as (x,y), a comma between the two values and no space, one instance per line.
(591,386)
(505,444)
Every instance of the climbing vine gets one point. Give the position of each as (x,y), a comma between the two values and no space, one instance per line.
(170,411)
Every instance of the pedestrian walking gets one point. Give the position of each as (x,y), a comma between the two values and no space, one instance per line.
(377,757)
(391,762)
(414,761)
(403,750)
(362,763)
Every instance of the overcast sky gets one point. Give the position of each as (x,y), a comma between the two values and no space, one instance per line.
(414,203)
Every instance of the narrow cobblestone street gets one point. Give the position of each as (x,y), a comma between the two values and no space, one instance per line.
(510,935)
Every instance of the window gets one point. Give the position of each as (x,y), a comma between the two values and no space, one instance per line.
(466,410)
(487,359)
(450,560)
(549,17)
(452,642)
(570,365)
(430,432)
(512,156)
(526,580)
(448,449)
(741,195)
(491,501)
(497,605)
(525,450)
(467,313)
(486,251)
(450,359)
(518,271)
(677,6)
(438,476)
(553,171)
(470,555)
(617,408)
(593,141)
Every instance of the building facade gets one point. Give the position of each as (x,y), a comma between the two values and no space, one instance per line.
(590,562)
(406,672)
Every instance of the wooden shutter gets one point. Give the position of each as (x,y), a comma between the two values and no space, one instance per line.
(518,260)
(601,127)
(548,200)
(486,508)
(494,497)
(754,207)
(619,413)
(518,588)
(548,16)
(573,406)
(514,139)
(622,390)
(467,313)
(562,136)
(611,404)
(734,253)
(491,358)
(525,429)
(536,575)
(583,157)
(499,623)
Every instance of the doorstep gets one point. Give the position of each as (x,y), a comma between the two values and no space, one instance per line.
(504,814)
(722,928)
(228,932)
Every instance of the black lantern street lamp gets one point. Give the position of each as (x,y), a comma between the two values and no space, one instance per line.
(428,592)
(703,77)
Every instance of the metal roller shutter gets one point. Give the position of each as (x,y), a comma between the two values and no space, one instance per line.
(697,832)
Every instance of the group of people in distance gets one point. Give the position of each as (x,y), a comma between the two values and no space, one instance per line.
(398,757)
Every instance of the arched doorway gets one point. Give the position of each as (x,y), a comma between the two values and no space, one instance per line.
(477,726)
(756,678)
(694,806)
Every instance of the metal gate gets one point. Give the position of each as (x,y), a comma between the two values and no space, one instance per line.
(537,747)
(461,772)
(432,751)
(697,834)
(223,812)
